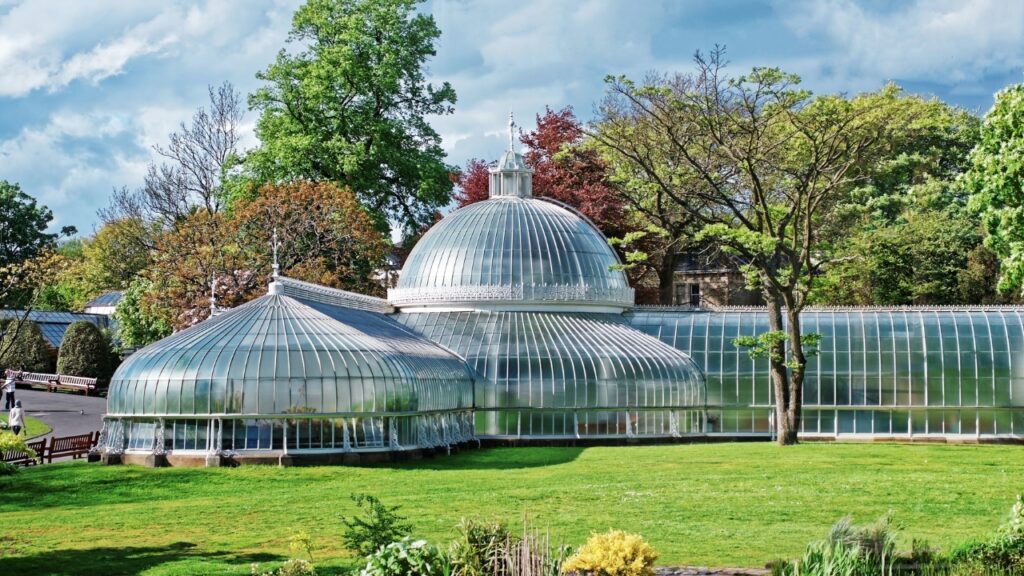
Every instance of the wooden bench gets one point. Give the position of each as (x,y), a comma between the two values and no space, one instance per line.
(54,382)
(74,446)
(22,458)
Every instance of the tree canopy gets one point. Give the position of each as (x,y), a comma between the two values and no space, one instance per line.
(23,225)
(995,181)
(761,165)
(24,348)
(350,105)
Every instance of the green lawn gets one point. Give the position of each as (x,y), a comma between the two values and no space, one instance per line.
(717,504)
(34,426)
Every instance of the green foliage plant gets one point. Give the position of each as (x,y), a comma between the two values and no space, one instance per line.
(478,547)
(137,324)
(293,567)
(25,349)
(86,351)
(407,557)
(11,443)
(379,526)
(849,550)
(613,553)
(1005,551)
(995,181)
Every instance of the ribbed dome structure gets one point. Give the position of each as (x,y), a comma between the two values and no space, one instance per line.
(277,355)
(512,249)
(568,374)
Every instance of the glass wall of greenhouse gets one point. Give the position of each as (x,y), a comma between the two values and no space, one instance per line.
(879,372)
(569,375)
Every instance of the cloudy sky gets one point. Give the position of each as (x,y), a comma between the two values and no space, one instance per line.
(88,87)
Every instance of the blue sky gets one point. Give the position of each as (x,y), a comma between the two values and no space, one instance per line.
(88,87)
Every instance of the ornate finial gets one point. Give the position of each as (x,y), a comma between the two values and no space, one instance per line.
(511,132)
(213,296)
(277,265)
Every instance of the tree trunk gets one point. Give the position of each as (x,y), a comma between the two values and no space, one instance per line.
(796,372)
(667,278)
(784,427)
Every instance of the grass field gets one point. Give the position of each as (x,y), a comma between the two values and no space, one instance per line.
(33,426)
(712,504)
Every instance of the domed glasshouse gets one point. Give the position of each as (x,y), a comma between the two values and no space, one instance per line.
(512,322)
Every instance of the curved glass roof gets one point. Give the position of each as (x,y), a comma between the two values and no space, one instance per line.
(279,355)
(512,249)
(580,361)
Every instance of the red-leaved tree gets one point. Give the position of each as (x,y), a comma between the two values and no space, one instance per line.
(471,183)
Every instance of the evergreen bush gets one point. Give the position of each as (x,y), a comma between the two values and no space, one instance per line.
(24,348)
(86,351)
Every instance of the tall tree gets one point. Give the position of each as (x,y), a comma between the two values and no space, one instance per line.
(325,235)
(996,183)
(351,105)
(570,173)
(909,233)
(760,164)
(197,159)
(23,225)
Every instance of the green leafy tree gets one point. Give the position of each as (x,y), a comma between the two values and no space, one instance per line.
(350,105)
(903,235)
(996,184)
(761,165)
(24,348)
(379,526)
(23,225)
(137,324)
(86,351)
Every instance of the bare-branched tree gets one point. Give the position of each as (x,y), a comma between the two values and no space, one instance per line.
(197,156)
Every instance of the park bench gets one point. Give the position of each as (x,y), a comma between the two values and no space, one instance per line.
(22,458)
(74,446)
(54,382)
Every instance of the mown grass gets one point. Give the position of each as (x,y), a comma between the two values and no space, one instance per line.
(33,426)
(712,504)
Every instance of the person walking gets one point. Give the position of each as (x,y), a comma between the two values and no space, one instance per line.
(9,387)
(16,419)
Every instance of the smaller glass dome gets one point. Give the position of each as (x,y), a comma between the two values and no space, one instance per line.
(277,355)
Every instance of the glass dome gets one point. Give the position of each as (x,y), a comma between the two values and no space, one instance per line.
(277,355)
(569,374)
(512,249)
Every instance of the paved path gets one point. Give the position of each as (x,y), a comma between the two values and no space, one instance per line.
(67,414)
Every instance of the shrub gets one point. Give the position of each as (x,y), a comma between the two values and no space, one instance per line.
(293,567)
(11,443)
(1004,552)
(86,351)
(479,547)
(25,348)
(380,526)
(407,557)
(614,553)
(848,550)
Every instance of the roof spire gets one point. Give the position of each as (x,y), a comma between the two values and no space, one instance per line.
(511,177)
(511,132)
(274,246)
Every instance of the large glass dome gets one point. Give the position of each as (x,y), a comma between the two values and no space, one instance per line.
(513,249)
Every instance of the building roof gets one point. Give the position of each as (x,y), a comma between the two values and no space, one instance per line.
(106,299)
(53,325)
(278,355)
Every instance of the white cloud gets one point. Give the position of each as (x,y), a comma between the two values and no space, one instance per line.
(946,41)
